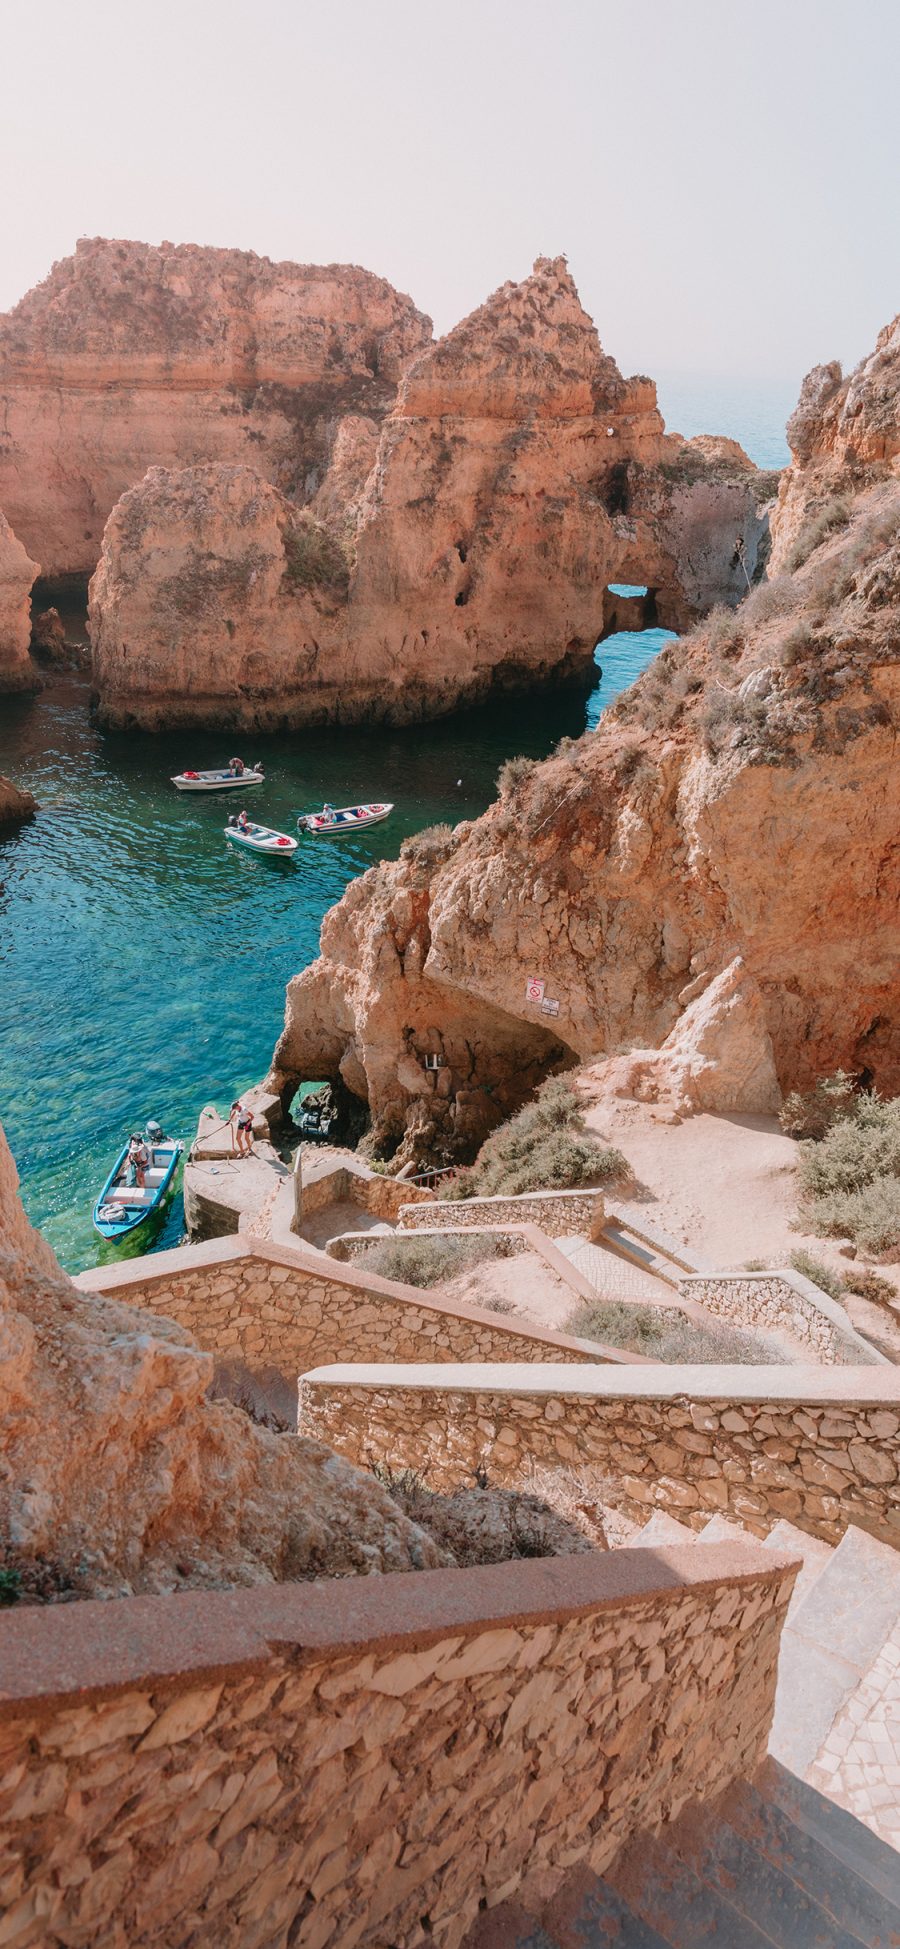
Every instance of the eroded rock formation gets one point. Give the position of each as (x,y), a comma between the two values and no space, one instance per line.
(740,801)
(127,357)
(17,573)
(462,546)
(842,434)
(14,804)
(119,1474)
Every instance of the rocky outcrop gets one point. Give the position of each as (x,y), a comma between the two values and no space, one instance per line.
(17,573)
(128,356)
(717,1058)
(465,545)
(739,801)
(843,435)
(14,805)
(119,1475)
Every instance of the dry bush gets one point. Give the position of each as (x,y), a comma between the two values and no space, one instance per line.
(430,846)
(313,558)
(263,1393)
(724,632)
(415,1259)
(665,1333)
(769,599)
(513,773)
(869,1285)
(820,1275)
(796,644)
(544,1147)
(483,1524)
(835,514)
(850,1178)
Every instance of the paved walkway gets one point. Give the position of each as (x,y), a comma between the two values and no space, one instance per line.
(612,1277)
(858,1764)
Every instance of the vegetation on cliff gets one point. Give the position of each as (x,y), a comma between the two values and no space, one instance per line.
(544,1147)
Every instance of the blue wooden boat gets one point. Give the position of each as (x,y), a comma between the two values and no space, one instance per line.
(124,1204)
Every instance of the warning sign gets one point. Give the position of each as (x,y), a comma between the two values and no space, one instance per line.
(534,991)
(549,1007)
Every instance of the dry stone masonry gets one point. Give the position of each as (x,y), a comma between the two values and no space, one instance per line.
(820,1447)
(238,1769)
(783,1300)
(558,1213)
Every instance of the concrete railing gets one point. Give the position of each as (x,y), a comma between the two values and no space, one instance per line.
(818,1445)
(275,1306)
(782,1300)
(371,1760)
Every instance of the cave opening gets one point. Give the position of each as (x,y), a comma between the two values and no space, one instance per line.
(462,598)
(68,594)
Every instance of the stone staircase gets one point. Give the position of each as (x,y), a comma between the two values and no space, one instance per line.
(806,1855)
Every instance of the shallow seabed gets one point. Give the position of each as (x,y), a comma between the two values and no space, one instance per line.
(143,960)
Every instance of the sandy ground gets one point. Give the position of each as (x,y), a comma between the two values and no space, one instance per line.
(522,1285)
(727,1186)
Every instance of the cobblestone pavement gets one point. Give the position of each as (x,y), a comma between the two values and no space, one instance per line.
(858,1765)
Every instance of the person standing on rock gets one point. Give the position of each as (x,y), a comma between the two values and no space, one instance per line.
(243,1129)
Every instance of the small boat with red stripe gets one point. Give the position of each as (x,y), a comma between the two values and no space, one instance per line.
(336,821)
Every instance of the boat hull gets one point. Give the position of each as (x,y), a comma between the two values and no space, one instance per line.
(207,781)
(343,821)
(264,842)
(124,1217)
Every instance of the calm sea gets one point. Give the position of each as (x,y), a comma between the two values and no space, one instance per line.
(143,961)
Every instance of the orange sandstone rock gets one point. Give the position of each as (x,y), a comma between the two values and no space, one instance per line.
(17,573)
(129,356)
(472,539)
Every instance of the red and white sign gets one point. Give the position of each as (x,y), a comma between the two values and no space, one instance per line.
(534,991)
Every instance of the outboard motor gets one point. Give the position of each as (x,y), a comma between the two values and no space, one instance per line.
(232,818)
(154,1132)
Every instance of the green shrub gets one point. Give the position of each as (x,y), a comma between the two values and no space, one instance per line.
(313,558)
(870,1216)
(850,1178)
(422,1260)
(665,1333)
(835,514)
(810,1113)
(821,1275)
(544,1147)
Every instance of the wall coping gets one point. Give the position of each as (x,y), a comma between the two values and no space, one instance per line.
(156,1269)
(53,1655)
(859,1386)
(822,1302)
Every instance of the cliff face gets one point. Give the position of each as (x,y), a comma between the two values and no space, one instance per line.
(469,542)
(17,573)
(843,433)
(121,1476)
(127,357)
(732,822)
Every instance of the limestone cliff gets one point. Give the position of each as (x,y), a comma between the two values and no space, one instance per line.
(128,356)
(843,434)
(17,573)
(464,547)
(728,833)
(119,1474)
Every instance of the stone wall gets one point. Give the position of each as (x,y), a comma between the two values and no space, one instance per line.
(783,1301)
(273,1306)
(368,1763)
(328,1180)
(558,1213)
(356,1246)
(820,1446)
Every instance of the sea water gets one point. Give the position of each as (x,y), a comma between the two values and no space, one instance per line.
(143,959)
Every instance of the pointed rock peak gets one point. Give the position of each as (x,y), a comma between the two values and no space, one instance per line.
(530,348)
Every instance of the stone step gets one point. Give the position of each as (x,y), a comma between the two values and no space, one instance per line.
(720,1529)
(870,1915)
(815,1554)
(833,1636)
(663,1528)
(764,1893)
(871,1859)
(665,1892)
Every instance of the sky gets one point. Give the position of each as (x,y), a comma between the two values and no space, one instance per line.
(723,178)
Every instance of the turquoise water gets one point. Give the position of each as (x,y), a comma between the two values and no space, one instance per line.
(143,960)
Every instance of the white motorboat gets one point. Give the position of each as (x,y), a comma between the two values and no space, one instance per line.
(334,822)
(261,839)
(224,780)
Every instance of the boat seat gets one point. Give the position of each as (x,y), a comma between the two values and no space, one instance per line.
(153,1179)
(127,1194)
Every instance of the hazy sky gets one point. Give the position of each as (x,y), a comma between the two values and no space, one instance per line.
(723,177)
